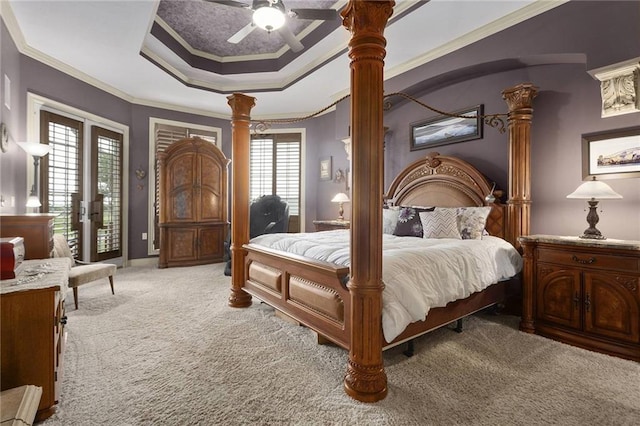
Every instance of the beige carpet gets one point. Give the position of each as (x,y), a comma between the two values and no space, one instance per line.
(166,350)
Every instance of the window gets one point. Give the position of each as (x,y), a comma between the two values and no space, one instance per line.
(275,169)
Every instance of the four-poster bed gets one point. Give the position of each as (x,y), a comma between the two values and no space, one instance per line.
(345,304)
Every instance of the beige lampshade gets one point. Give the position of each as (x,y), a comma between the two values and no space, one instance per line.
(35,149)
(594,189)
(340,197)
(33,201)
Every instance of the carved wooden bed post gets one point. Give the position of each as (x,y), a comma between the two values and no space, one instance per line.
(365,379)
(240,140)
(519,99)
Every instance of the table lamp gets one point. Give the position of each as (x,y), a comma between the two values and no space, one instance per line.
(593,191)
(340,198)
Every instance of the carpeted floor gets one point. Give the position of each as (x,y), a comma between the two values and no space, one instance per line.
(167,350)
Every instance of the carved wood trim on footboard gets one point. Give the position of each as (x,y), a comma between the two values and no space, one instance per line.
(313,292)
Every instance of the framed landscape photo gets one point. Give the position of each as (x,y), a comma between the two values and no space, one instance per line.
(325,169)
(611,155)
(443,130)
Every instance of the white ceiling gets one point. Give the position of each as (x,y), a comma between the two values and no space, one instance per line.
(100,42)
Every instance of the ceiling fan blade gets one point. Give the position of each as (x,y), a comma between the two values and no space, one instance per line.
(240,35)
(290,38)
(316,14)
(231,3)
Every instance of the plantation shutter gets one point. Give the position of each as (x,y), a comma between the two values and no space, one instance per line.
(274,168)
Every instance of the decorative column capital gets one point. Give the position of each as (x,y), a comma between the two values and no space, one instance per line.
(241,105)
(520,96)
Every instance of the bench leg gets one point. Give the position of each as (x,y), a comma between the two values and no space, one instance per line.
(75,296)
(111,282)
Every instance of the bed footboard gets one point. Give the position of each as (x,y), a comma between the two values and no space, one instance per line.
(312,292)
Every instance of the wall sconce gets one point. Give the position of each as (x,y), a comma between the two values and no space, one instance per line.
(591,191)
(36,150)
(340,198)
(140,174)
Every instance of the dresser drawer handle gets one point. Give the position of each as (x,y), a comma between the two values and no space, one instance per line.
(588,261)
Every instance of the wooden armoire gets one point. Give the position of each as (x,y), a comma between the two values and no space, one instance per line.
(193,203)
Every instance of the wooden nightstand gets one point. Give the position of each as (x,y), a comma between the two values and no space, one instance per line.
(329,225)
(583,292)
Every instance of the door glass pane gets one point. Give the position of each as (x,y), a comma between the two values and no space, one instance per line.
(109,184)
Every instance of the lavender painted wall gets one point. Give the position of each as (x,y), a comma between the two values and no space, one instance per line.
(13,162)
(553,51)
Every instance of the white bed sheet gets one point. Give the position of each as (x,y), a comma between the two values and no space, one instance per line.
(419,274)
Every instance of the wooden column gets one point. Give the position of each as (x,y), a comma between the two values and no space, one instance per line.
(240,140)
(365,379)
(519,99)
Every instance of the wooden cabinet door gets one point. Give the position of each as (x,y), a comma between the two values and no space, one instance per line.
(558,296)
(612,306)
(211,206)
(182,244)
(181,173)
(211,242)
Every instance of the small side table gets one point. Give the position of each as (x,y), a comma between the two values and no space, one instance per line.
(330,225)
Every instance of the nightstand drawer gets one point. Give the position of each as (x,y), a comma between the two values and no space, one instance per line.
(588,259)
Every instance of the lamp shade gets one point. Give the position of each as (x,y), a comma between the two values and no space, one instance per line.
(35,149)
(594,189)
(340,197)
(33,201)
(269,16)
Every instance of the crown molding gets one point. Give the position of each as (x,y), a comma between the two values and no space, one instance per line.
(514,18)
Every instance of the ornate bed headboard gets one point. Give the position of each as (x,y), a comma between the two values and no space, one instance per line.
(445,181)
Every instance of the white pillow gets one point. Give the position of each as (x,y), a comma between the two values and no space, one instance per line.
(471,221)
(440,223)
(389,219)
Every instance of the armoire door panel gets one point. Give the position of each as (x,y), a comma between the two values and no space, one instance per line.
(210,239)
(182,243)
(182,170)
(182,208)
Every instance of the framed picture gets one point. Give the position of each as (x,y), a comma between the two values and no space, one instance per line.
(611,155)
(443,130)
(325,169)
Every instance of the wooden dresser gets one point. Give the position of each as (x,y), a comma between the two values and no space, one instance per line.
(32,329)
(35,228)
(583,292)
(193,203)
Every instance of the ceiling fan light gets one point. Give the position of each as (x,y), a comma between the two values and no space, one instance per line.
(268,18)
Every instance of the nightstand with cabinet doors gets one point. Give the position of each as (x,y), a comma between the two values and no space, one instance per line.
(583,292)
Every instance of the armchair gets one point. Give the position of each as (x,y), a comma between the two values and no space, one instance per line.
(82,272)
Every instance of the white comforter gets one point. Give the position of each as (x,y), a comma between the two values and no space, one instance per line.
(419,274)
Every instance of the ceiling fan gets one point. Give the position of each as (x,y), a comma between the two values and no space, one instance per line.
(270,15)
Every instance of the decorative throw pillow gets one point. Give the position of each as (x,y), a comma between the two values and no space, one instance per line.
(440,223)
(389,219)
(409,224)
(471,221)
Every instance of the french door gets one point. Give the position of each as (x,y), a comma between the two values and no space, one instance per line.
(83,186)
